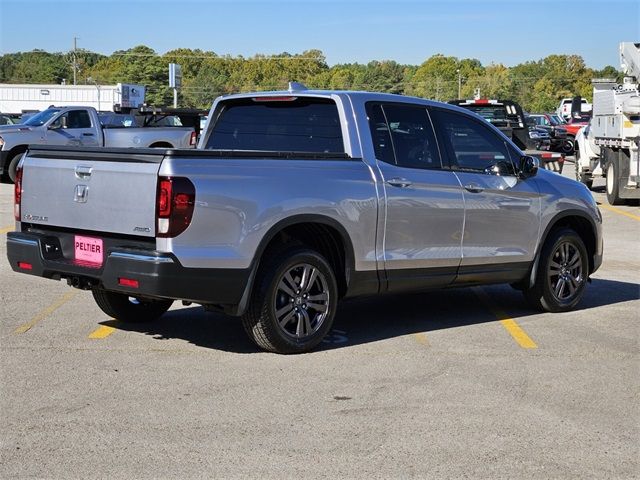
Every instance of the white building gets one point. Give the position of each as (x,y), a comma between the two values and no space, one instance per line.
(16,98)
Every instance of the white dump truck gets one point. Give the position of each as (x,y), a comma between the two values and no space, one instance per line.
(615,130)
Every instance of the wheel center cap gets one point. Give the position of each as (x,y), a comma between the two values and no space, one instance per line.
(298,301)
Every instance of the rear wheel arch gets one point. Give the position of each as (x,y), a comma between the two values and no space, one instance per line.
(161,145)
(318,232)
(321,233)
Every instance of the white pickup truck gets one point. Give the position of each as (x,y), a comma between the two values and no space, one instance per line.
(81,127)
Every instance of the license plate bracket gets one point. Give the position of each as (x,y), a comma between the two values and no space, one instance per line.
(88,250)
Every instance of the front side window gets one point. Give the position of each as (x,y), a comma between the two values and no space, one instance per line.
(291,124)
(73,119)
(403,135)
(472,145)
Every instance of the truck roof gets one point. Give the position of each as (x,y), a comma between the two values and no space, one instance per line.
(359,95)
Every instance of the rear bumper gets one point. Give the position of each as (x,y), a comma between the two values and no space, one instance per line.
(159,274)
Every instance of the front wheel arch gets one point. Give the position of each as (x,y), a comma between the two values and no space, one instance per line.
(577,221)
(14,153)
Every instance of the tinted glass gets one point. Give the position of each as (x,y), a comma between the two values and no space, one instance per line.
(473,146)
(303,125)
(411,134)
(41,118)
(117,120)
(78,119)
(380,134)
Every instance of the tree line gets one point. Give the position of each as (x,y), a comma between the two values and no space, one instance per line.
(536,85)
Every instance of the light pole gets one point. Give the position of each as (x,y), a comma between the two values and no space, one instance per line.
(75,59)
(90,79)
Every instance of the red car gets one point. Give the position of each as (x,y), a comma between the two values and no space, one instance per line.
(576,123)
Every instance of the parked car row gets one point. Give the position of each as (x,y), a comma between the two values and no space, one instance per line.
(83,127)
(563,132)
(510,119)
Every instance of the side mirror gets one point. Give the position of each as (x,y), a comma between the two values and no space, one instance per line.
(58,123)
(528,167)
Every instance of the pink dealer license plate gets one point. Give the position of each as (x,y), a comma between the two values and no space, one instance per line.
(88,249)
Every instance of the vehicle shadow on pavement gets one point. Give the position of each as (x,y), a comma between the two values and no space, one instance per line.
(371,319)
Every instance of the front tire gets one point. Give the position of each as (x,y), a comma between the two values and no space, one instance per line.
(568,146)
(126,308)
(13,166)
(294,302)
(562,273)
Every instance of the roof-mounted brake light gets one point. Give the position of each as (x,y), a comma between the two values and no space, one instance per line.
(280,98)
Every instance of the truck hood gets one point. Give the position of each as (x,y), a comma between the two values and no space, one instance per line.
(14,129)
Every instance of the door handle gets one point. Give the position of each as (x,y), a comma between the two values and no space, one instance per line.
(399,182)
(87,134)
(473,188)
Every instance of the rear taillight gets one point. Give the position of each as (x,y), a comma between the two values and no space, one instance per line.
(175,201)
(192,140)
(17,194)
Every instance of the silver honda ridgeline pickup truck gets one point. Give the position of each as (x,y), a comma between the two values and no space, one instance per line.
(296,199)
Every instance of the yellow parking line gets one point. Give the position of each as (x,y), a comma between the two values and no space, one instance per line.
(102,332)
(621,212)
(8,229)
(518,334)
(44,313)
(421,338)
(515,330)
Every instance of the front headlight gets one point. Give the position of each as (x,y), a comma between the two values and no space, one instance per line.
(534,135)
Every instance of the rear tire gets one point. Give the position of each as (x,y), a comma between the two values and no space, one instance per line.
(582,177)
(294,302)
(130,309)
(562,273)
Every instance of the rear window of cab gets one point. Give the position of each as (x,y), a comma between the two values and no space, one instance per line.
(287,123)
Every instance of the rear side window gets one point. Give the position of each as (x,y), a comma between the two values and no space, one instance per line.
(403,135)
(300,125)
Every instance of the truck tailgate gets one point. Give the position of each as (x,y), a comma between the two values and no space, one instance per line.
(97,190)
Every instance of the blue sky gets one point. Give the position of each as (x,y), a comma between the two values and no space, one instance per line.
(407,31)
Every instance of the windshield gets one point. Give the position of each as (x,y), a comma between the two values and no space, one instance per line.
(111,120)
(291,125)
(553,120)
(490,113)
(559,120)
(41,118)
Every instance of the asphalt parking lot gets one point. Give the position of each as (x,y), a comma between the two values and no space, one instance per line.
(451,384)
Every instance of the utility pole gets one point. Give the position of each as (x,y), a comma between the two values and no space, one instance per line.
(459,84)
(75,60)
